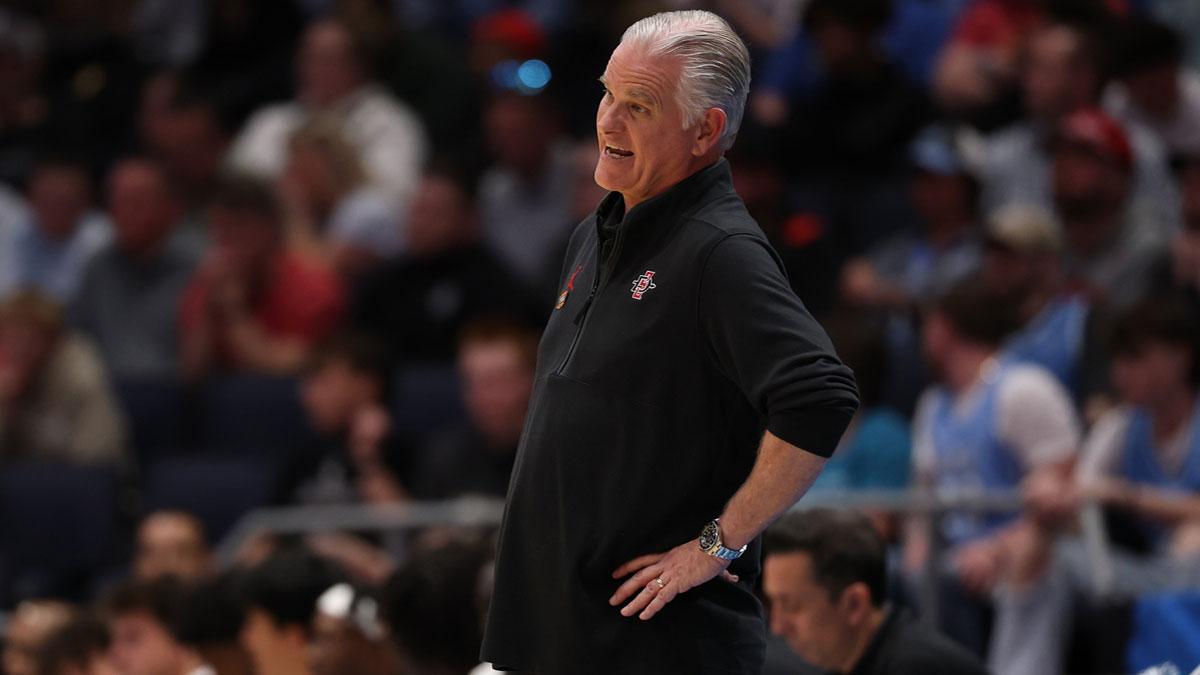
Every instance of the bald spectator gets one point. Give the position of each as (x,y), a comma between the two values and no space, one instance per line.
(55,400)
(254,306)
(29,626)
(171,543)
(79,647)
(58,234)
(333,75)
(129,300)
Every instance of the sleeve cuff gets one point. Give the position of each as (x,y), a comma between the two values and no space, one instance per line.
(815,430)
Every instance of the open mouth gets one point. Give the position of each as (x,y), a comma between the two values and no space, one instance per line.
(617,153)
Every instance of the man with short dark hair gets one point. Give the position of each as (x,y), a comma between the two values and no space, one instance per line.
(79,647)
(171,543)
(986,425)
(142,617)
(129,298)
(825,576)
(281,597)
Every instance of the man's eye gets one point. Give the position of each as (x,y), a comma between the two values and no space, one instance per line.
(638,109)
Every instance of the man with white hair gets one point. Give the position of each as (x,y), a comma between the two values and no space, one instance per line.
(644,476)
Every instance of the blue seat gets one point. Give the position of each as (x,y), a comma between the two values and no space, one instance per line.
(217,489)
(155,409)
(58,524)
(255,414)
(426,398)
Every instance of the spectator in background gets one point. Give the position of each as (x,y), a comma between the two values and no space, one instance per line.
(184,129)
(419,304)
(1179,270)
(496,359)
(825,577)
(253,305)
(29,626)
(348,636)
(281,597)
(55,401)
(846,143)
(1111,243)
(1061,72)
(1153,90)
(987,425)
(981,64)
(59,233)
(901,274)
(1021,264)
(79,647)
(171,544)
(333,75)
(141,617)
(430,607)
(874,453)
(330,212)
(129,300)
(210,622)
(344,389)
(525,197)
(913,269)
(1142,463)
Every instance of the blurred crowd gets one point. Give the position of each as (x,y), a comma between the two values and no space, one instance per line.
(298,252)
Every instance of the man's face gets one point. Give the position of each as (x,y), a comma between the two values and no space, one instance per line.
(141,206)
(497,385)
(1153,368)
(338,650)
(1086,186)
(273,649)
(519,132)
(1009,273)
(142,646)
(1056,77)
(804,614)
(644,148)
(170,544)
(326,66)
(58,197)
(333,392)
(940,198)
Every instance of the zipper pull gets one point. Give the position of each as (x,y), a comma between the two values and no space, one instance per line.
(584,309)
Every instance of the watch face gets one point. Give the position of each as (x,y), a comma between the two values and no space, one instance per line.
(710,536)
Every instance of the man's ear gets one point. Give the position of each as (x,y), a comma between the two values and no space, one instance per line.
(856,603)
(708,131)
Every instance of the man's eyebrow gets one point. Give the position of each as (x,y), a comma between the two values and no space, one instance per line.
(643,96)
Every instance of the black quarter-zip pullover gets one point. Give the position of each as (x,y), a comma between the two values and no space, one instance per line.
(676,340)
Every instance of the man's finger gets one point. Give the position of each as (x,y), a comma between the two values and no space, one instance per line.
(660,600)
(638,603)
(638,563)
(637,581)
(731,578)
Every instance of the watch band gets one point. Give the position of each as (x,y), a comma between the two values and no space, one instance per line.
(710,543)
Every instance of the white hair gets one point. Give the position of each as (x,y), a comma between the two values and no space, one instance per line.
(716,64)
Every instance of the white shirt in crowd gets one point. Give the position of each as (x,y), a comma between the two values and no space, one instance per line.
(1105,446)
(1034,413)
(1181,131)
(386,131)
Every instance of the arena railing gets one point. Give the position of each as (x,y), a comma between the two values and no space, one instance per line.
(929,507)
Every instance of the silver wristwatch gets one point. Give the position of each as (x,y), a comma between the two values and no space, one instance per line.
(710,543)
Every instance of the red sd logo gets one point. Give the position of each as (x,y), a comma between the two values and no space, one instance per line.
(643,284)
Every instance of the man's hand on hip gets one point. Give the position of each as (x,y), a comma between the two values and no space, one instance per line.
(662,576)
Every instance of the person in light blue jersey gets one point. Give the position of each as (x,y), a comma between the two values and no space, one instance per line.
(986,426)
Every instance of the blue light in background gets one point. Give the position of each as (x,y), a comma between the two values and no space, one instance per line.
(533,76)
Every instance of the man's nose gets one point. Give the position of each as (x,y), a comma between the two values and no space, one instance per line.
(610,120)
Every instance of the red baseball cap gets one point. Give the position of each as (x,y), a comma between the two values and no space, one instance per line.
(1098,132)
